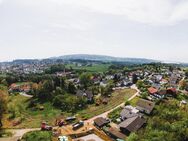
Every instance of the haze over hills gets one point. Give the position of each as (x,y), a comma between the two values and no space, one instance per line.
(89,57)
(101,58)
(104,58)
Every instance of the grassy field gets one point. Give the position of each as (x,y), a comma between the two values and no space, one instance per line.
(37,136)
(134,101)
(2,75)
(93,68)
(30,118)
(117,98)
(23,83)
(3,87)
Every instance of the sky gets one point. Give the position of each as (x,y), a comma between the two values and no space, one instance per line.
(154,29)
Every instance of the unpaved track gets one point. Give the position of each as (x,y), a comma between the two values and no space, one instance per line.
(18,133)
(104,115)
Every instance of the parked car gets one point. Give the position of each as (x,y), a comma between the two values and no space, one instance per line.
(78,125)
(70,118)
(61,123)
(45,127)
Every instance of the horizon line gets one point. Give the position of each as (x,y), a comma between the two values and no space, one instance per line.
(162,61)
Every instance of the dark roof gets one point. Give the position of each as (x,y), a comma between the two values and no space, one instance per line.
(79,93)
(89,94)
(100,121)
(115,132)
(155,85)
(162,92)
(105,100)
(173,90)
(145,104)
(79,140)
(126,113)
(133,124)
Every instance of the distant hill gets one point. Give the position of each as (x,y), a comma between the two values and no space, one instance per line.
(104,58)
(84,57)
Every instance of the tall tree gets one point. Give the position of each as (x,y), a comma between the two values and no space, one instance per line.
(134,78)
(186,72)
(85,79)
(71,88)
(182,84)
(3,102)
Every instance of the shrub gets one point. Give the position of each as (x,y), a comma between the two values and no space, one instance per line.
(37,136)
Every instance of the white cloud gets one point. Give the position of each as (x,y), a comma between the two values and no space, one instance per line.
(112,27)
(180,12)
(154,12)
(80,25)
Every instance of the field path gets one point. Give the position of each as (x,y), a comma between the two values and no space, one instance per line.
(26,95)
(105,114)
(18,133)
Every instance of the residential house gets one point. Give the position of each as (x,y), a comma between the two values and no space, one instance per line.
(100,122)
(103,83)
(127,113)
(163,81)
(116,134)
(156,85)
(171,91)
(132,124)
(88,94)
(173,81)
(145,106)
(152,90)
(20,87)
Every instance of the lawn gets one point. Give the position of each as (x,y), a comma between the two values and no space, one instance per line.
(30,118)
(23,83)
(2,75)
(93,68)
(116,99)
(3,87)
(37,136)
(134,101)
(18,104)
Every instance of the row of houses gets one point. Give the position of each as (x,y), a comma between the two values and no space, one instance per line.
(25,87)
(131,119)
(161,93)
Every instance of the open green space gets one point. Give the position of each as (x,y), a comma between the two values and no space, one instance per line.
(22,83)
(37,136)
(134,101)
(117,98)
(2,75)
(93,68)
(3,87)
(30,118)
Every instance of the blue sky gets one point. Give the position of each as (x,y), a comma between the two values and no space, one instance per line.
(156,29)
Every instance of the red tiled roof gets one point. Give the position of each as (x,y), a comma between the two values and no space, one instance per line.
(13,85)
(152,90)
(164,80)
